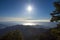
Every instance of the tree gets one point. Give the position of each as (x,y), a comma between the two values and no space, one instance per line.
(12,35)
(55,32)
(56,14)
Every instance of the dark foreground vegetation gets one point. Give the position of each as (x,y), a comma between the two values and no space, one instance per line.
(51,34)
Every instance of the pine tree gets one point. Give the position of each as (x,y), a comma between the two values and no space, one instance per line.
(55,32)
(56,13)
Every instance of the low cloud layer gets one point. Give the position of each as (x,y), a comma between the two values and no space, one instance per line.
(7,19)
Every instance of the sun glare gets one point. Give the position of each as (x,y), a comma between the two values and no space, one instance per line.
(29,24)
(29,8)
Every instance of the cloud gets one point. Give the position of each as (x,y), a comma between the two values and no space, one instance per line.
(7,19)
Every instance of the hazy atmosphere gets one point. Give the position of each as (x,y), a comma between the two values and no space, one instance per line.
(29,19)
(23,10)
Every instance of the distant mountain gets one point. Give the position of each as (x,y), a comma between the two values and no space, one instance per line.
(41,26)
(9,23)
(2,26)
(47,24)
(28,31)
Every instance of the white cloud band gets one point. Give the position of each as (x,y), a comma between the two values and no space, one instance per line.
(22,20)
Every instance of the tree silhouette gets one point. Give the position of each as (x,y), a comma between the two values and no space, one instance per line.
(56,14)
(55,32)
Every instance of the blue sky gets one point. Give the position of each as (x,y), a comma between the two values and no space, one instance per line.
(41,9)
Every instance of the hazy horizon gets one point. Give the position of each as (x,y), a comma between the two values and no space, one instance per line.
(26,10)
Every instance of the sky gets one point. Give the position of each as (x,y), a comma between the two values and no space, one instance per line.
(16,10)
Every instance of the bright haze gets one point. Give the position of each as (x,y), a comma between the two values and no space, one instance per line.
(26,11)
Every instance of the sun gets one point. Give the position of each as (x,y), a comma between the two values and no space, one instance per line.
(29,24)
(29,8)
